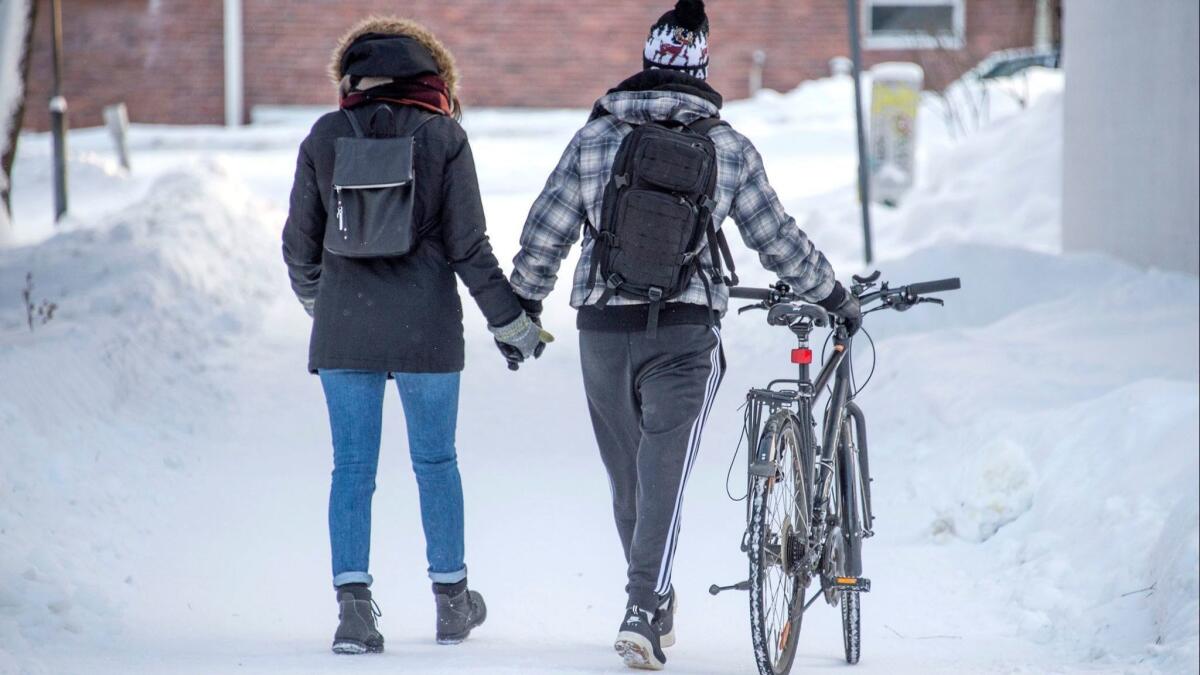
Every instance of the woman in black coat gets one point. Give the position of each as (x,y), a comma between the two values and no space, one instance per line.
(382,314)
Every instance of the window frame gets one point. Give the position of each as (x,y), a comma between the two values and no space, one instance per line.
(913,40)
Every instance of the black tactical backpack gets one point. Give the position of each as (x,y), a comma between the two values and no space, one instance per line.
(371,212)
(656,217)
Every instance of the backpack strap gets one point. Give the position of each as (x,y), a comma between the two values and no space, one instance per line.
(611,285)
(723,243)
(423,117)
(716,237)
(358,130)
(594,265)
(656,296)
(706,124)
(708,297)
(718,247)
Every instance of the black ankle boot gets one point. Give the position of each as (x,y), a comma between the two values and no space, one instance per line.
(458,611)
(356,631)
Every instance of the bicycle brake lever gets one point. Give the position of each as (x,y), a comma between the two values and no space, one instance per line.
(747,308)
(936,301)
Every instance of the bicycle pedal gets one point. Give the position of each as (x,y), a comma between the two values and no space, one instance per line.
(860,584)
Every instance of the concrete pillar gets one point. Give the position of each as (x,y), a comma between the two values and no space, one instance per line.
(1131,148)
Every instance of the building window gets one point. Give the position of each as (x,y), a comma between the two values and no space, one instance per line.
(913,24)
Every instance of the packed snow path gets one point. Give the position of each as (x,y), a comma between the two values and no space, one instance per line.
(165,457)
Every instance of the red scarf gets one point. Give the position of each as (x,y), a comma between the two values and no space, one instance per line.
(428,92)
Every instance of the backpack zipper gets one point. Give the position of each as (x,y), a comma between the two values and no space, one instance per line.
(369,187)
(341,221)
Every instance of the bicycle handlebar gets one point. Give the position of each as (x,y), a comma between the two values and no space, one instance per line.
(899,298)
(952,284)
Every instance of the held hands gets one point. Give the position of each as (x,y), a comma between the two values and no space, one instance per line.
(521,339)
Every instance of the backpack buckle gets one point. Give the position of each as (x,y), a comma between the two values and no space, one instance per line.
(654,293)
(621,180)
(614,281)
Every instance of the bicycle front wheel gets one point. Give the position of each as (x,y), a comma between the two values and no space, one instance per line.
(779,514)
(851,493)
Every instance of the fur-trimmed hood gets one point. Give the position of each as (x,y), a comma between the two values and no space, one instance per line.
(392,25)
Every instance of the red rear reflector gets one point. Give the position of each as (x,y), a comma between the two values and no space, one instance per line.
(802,356)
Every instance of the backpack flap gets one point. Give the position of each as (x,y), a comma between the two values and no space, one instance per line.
(372,213)
(672,161)
(364,163)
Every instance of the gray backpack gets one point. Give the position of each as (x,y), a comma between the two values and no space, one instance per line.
(371,213)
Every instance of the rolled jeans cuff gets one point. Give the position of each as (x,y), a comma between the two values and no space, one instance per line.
(448,577)
(352,578)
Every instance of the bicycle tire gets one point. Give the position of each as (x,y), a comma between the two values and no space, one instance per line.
(851,512)
(851,621)
(774,590)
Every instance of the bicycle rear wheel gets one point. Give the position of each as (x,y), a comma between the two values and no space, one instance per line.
(779,506)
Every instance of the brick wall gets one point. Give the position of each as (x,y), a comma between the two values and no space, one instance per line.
(164,58)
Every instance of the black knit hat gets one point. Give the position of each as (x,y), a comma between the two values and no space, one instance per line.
(679,40)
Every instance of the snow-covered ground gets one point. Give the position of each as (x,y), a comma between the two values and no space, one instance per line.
(164,456)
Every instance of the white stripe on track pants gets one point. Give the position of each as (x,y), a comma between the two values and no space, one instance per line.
(649,399)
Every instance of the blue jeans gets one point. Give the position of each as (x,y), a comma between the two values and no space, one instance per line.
(355,400)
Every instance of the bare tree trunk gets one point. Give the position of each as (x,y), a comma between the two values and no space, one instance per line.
(17,113)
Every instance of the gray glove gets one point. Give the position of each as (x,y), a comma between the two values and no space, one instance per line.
(522,337)
(310,305)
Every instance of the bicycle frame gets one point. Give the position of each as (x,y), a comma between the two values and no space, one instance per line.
(799,403)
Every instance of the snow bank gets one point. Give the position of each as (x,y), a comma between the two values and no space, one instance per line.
(1062,438)
(141,298)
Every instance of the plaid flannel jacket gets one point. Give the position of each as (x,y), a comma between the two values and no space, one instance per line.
(575,191)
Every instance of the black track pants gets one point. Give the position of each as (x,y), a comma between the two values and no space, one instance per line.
(649,399)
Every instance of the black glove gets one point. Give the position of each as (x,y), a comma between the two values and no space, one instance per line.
(510,354)
(844,305)
(514,356)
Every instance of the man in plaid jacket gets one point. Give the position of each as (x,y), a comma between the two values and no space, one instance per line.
(649,395)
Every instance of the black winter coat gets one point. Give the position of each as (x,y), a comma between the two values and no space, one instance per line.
(395,314)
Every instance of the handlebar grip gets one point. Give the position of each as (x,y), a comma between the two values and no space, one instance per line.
(749,293)
(922,287)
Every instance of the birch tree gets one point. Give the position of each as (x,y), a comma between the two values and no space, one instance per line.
(17,18)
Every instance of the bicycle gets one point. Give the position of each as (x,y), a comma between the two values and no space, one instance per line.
(809,505)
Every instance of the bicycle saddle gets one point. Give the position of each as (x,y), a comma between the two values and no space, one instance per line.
(786,314)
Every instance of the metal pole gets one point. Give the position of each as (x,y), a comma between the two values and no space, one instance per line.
(864,185)
(233,63)
(58,114)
